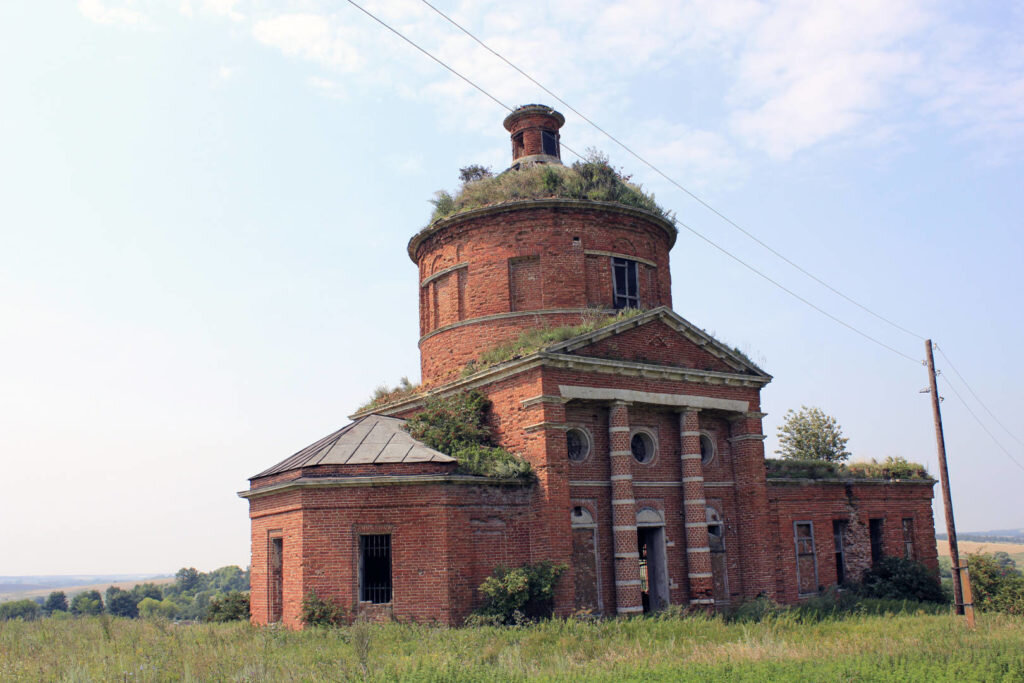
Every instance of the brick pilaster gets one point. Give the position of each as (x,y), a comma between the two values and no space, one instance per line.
(698,550)
(627,559)
(759,562)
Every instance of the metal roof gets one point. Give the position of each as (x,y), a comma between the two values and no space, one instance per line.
(374,439)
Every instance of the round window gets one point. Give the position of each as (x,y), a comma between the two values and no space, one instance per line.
(642,446)
(707,449)
(577,443)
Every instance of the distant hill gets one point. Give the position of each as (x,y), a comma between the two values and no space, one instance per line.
(993,536)
(30,587)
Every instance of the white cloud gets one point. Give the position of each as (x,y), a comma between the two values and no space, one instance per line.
(326,87)
(227,72)
(312,37)
(100,13)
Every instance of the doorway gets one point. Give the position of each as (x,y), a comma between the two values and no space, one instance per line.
(650,541)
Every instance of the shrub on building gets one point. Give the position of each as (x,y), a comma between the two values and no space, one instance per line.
(513,595)
(593,178)
(891,469)
(456,425)
(895,578)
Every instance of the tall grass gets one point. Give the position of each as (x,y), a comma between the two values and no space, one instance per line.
(781,646)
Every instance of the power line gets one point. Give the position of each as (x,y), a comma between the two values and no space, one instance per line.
(982,424)
(687,227)
(976,397)
(657,170)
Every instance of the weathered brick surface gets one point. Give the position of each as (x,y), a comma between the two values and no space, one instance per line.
(479,273)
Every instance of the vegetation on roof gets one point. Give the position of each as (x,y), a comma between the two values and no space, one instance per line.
(456,425)
(892,468)
(592,178)
(383,395)
(533,340)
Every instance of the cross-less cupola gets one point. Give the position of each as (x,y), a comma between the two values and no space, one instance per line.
(535,139)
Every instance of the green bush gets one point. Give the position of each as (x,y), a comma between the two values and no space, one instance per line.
(514,595)
(319,612)
(455,425)
(593,178)
(996,585)
(151,608)
(25,610)
(231,607)
(56,601)
(895,578)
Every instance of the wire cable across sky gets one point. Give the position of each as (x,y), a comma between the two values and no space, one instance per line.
(684,225)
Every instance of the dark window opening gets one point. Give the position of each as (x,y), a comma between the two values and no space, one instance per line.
(625,283)
(517,145)
(839,527)
(549,141)
(577,445)
(375,568)
(276,580)
(642,447)
(806,558)
(875,527)
(707,449)
(908,538)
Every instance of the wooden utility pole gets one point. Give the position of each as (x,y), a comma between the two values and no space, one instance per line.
(947,499)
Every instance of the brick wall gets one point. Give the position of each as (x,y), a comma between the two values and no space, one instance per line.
(547,249)
(822,502)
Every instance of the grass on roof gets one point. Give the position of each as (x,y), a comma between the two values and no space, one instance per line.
(533,340)
(593,178)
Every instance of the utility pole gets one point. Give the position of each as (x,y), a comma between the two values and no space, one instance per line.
(947,499)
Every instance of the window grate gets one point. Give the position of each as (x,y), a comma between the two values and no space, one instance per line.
(375,568)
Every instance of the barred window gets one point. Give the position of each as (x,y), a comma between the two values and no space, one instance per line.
(806,558)
(375,568)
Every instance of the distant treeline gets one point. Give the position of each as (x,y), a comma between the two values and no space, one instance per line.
(986,537)
(220,595)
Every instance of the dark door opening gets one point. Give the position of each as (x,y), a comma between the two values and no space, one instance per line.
(653,568)
(839,527)
(276,580)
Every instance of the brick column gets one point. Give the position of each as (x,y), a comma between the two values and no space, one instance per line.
(759,559)
(627,559)
(698,550)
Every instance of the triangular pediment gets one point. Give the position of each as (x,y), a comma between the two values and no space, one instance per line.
(659,337)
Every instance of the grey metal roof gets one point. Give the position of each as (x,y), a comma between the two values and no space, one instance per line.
(374,439)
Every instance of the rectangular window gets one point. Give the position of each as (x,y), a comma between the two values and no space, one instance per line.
(806,558)
(375,568)
(276,566)
(908,538)
(839,527)
(549,142)
(524,283)
(875,527)
(517,145)
(625,284)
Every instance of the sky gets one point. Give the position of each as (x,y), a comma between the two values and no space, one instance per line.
(204,207)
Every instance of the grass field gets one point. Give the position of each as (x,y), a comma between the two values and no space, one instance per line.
(908,647)
(1014,550)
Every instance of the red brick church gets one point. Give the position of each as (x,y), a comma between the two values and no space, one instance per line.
(645,437)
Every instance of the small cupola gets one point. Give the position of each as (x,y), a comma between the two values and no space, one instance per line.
(535,139)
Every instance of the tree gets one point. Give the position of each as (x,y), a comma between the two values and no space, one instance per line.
(19,609)
(187,579)
(121,603)
(56,601)
(87,603)
(810,434)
